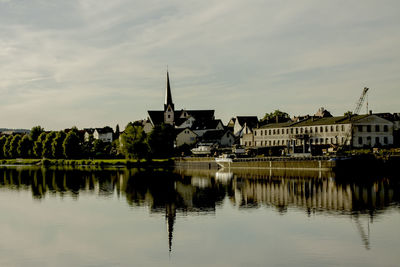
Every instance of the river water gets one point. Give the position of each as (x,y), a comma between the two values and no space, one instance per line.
(131,217)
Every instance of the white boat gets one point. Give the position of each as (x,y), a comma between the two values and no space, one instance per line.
(224,160)
(202,150)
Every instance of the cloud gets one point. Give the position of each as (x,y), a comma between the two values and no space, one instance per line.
(96,62)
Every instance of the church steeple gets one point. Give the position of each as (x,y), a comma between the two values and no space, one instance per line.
(169,109)
(168,96)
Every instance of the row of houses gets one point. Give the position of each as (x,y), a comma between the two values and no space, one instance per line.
(358,131)
(321,129)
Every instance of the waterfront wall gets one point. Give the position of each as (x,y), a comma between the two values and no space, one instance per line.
(314,163)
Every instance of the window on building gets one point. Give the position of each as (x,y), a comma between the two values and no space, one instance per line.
(265,132)
(337,128)
(369,140)
(297,130)
(316,140)
(245,143)
(326,129)
(261,132)
(291,130)
(377,141)
(377,128)
(360,128)
(301,130)
(385,140)
(332,142)
(321,129)
(342,128)
(316,129)
(321,141)
(326,141)
(273,131)
(369,128)
(277,131)
(360,140)
(269,132)
(311,130)
(269,143)
(255,133)
(287,131)
(332,128)
(169,116)
(385,128)
(274,142)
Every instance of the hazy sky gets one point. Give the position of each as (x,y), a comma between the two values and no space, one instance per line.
(92,63)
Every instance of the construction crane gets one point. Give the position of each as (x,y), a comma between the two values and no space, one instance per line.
(356,111)
(361,100)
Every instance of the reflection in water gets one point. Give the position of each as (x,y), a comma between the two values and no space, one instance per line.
(199,192)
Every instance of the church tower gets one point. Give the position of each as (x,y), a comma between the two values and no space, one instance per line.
(168,105)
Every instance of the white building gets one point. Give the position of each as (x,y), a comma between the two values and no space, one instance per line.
(360,131)
(104,134)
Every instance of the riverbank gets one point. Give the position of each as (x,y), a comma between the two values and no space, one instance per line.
(90,162)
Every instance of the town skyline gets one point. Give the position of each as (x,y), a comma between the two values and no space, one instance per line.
(104,63)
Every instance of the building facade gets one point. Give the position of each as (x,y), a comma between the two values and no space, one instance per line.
(358,131)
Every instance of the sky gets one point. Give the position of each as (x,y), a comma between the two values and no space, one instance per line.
(92,63)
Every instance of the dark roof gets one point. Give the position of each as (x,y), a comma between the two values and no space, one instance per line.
(251,121)
(157,116)
(316,121)
(277,125)
(206,124)
(103,130)
(213,135)
(89,130)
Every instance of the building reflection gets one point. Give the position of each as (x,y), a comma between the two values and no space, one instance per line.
(198,192)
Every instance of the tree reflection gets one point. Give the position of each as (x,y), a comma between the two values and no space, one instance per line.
(190,192)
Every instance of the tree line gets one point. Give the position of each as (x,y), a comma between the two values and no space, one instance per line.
(133,143)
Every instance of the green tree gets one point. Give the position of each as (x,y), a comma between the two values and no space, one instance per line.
(276,115)
(38,145)
(71,146)
(47,145)
(25,147)
(35,132)
(348,113)
(6,147)
(133,142)
(57,145)
(2,142)
(161,141)
(13,152)
(116,134)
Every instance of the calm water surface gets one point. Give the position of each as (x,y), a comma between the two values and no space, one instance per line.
(135,217)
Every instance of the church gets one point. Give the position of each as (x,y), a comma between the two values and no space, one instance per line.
(179,118)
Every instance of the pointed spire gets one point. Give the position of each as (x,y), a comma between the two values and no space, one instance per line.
(170,215)
(168,95)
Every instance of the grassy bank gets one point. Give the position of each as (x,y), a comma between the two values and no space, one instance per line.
(88,162)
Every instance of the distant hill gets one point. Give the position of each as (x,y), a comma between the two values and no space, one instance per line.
(12,131)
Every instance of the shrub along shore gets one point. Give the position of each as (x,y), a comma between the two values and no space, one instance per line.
(89,162)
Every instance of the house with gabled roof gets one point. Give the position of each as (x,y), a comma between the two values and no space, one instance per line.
(185,136)
(104,134)
(224,138)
